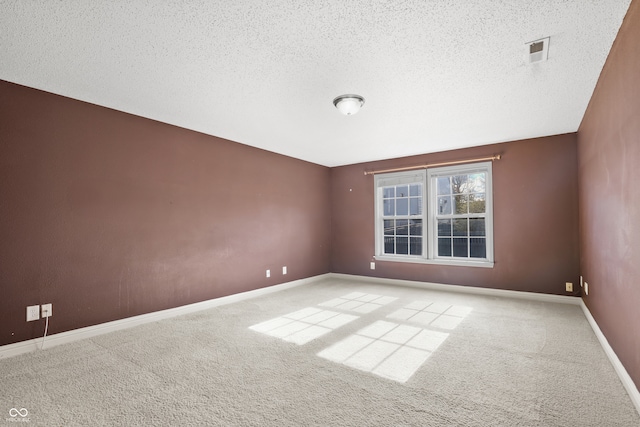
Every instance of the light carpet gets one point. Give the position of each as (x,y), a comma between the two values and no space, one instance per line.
(333,353)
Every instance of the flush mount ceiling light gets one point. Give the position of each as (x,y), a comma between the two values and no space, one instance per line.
(348,104)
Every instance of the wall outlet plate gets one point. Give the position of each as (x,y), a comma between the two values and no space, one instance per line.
(33,313)
(569,286)
(268,273)
(373,265)
(47,310)
(284,270)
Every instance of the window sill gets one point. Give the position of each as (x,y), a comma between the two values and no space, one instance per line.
(439,261)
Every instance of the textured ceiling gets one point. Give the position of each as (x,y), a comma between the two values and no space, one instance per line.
(436,75)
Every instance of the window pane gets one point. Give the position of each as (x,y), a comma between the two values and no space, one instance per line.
(388,192)
(476,227)
(415,206)
(415,245)
(459,184)
(477,203)
(477,181)
(389,243)
(444,247)
(402,206)
(460,227)
(402,191)
(388,227)
(478,247)
(461,203)
(415,227)
(460,248)
(402,245)
(416,190)
(402,227)
(388,207)
(444,185)
(444,227)
(444,205)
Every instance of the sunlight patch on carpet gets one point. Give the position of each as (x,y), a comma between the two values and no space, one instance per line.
(386,349)
(304,325)
(390,349)
(435,314)
(397,350)
(358,302)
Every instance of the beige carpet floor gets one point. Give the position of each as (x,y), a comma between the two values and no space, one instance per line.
(334,353)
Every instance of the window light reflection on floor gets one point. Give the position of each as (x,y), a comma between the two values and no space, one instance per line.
(307,324)
(393,350)
(387,349)
(358,302)
(435,314)
(396,351)
(304,325)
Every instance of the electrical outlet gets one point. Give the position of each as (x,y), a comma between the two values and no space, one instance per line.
(33,312)
(586,288)
(268,273)
(373,265)
(581,285)
(284,270)
(47,310)
(569,286)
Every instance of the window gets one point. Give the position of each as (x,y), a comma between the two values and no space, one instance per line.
(439,215)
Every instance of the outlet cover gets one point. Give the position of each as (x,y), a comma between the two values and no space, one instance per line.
(569,286)
(33,312)
(268,273)
(284,270)
(586,288)
(47,310)
(373,265)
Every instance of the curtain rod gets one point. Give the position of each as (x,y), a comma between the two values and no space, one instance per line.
(457,162)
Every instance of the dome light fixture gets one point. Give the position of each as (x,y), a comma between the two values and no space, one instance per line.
(348,104)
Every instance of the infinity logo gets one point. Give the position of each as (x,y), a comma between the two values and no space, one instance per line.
(22,412)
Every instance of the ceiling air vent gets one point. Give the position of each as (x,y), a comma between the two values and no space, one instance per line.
(537,51)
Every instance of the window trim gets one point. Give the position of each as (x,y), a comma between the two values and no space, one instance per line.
(397,178)
(429,241)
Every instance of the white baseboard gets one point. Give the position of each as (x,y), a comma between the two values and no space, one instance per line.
(22,347)
(562,299)
(626,380)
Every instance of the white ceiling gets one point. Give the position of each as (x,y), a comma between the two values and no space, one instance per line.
(436,75)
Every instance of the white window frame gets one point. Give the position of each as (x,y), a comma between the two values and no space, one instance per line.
(398,178)
(429,210)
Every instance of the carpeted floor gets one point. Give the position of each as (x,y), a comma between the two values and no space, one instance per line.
(334,353)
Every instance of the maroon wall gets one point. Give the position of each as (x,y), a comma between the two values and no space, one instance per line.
(535,195)
(609,177)
(108,215)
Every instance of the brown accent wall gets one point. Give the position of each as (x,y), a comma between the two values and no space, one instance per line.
(535,193)
(609,177)
(108,215)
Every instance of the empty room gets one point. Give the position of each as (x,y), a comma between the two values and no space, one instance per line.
(365,213)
